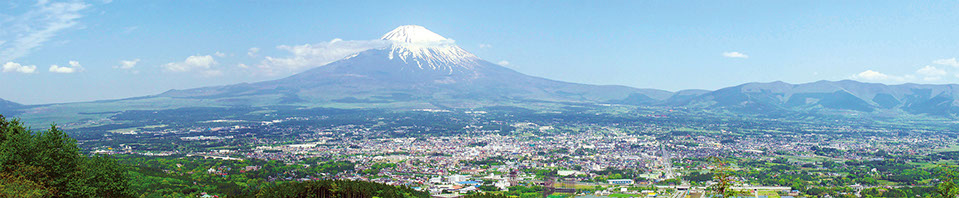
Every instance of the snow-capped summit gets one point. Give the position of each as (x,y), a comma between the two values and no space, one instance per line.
(416,44)
(413,34)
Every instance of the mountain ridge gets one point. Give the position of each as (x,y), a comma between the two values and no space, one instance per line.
(941,100)
(421,69)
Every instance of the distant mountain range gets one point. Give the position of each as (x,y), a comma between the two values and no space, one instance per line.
(938,100)
(421,69)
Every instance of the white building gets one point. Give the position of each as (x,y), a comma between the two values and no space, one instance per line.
(620,181)
(453,179)
(502,184)
(568,172)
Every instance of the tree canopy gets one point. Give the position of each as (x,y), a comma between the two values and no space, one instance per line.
(49,164)
(337,188)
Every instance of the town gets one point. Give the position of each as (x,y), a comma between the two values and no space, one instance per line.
(657,157)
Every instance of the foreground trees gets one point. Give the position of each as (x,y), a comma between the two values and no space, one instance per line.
(948,186)
(724,178)
(48,164)
(337,188)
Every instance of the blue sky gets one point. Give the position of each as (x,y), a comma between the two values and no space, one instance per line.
(118,49)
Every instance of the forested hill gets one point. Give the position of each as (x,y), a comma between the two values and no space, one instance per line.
(49,164)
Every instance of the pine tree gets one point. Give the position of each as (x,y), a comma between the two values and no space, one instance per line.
(48,164)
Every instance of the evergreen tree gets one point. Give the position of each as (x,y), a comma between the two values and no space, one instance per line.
(948,186)
(49,164)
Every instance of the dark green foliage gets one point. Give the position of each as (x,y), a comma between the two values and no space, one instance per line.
(825,151)
(485,195)
(698,177)
(948,155)
(488,188)
(477,144)
(48,163)
(106,176)
(948,181)
(337,188)
(921,191)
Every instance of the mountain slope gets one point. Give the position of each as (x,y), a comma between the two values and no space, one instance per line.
(419,65)
(421,69)
(7,107)
(940,100)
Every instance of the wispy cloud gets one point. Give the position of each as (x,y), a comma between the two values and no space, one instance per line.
(201,64)
(949,62)
(127,64)
(927,73)
(312,55)
(929,70)
(23,33)
(875,76)
(252,51)
(735,55)
(503,63)
(17,67)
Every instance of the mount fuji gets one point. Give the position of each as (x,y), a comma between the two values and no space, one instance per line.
(417,68)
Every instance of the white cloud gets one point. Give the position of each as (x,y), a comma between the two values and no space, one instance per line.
(219,54)
(735,55)
(483,45)
(127,64)
(950,62)
(25,32)
(503,63)
(252,51)
(17,67)
(871,75)
(74,67)
(58,69)
(312,55)
(191,63)
(931,71)
(241,65)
